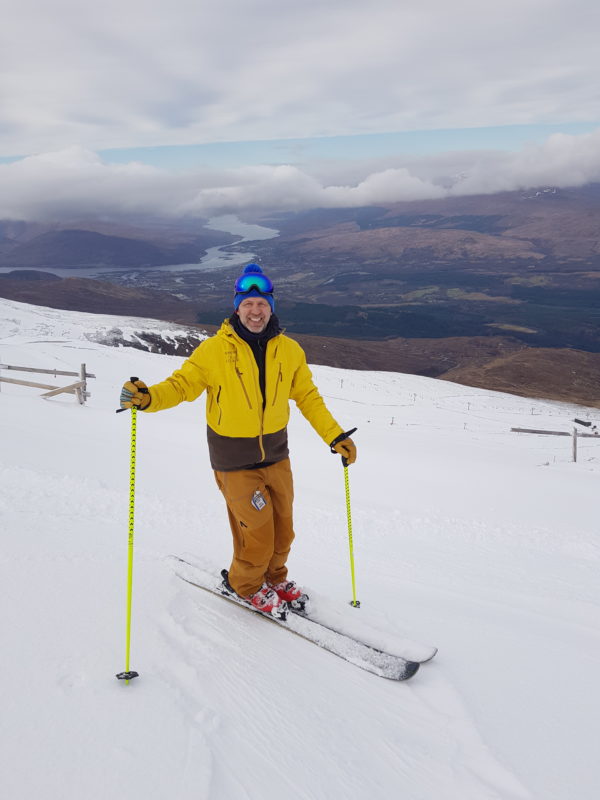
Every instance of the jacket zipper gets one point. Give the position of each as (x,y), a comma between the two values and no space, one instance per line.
(239,374)
(218,406)
(261,410)
(279,379)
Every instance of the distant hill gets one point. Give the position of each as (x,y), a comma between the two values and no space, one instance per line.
(85,294)
(557,224)
(497,363)
(73,248)
(567,375)
(28,245)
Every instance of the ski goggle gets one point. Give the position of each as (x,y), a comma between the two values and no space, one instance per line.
(254,280)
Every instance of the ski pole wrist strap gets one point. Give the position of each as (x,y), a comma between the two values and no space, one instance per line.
(341,438)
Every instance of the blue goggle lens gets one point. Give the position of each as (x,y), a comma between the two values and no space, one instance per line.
(254,280)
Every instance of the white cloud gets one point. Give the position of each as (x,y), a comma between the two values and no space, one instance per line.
(127,73)
(76,184)
(389,186)
(560,161)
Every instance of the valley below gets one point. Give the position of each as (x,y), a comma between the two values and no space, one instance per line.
(499,291)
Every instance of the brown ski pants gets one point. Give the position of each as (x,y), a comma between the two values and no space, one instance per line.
(261,537)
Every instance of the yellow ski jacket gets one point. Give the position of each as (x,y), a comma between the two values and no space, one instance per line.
(240,432)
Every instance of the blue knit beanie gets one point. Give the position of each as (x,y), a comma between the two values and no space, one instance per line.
(253,269)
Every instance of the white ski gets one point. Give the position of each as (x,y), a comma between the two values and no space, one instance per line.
(357,652)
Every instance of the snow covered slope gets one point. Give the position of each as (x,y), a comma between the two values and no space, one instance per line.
(480,541)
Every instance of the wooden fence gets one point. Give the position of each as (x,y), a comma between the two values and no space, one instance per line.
(575,435)
(78,388)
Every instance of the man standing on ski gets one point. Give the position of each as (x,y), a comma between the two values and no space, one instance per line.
(250,370)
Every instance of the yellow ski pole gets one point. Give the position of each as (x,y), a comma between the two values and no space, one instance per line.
(130,674)
(354,602)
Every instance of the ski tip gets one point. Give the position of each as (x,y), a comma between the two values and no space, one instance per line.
(409,669)
(434,652)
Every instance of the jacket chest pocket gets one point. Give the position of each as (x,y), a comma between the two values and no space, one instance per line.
(243,385)
(215,398)
(219,405)
(278,383)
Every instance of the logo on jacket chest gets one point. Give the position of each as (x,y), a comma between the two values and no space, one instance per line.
(231,357)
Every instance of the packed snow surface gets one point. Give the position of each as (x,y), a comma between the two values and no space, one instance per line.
(480,541)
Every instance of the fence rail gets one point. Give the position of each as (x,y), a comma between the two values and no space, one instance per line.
(78,388)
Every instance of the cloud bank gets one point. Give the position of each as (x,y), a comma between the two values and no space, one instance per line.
(133,73)
(76,184)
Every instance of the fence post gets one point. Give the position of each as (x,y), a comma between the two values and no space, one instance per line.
(574,444)
(82,390)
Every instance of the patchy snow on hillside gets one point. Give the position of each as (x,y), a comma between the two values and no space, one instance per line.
(480,541)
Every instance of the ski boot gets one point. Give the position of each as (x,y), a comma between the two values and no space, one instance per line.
(264,600)
(292,594)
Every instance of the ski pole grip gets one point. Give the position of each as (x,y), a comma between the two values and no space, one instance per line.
(340,438)
(133,380)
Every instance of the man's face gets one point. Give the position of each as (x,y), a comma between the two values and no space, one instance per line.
(254,313)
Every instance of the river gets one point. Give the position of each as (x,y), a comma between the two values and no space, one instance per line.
(215,258)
